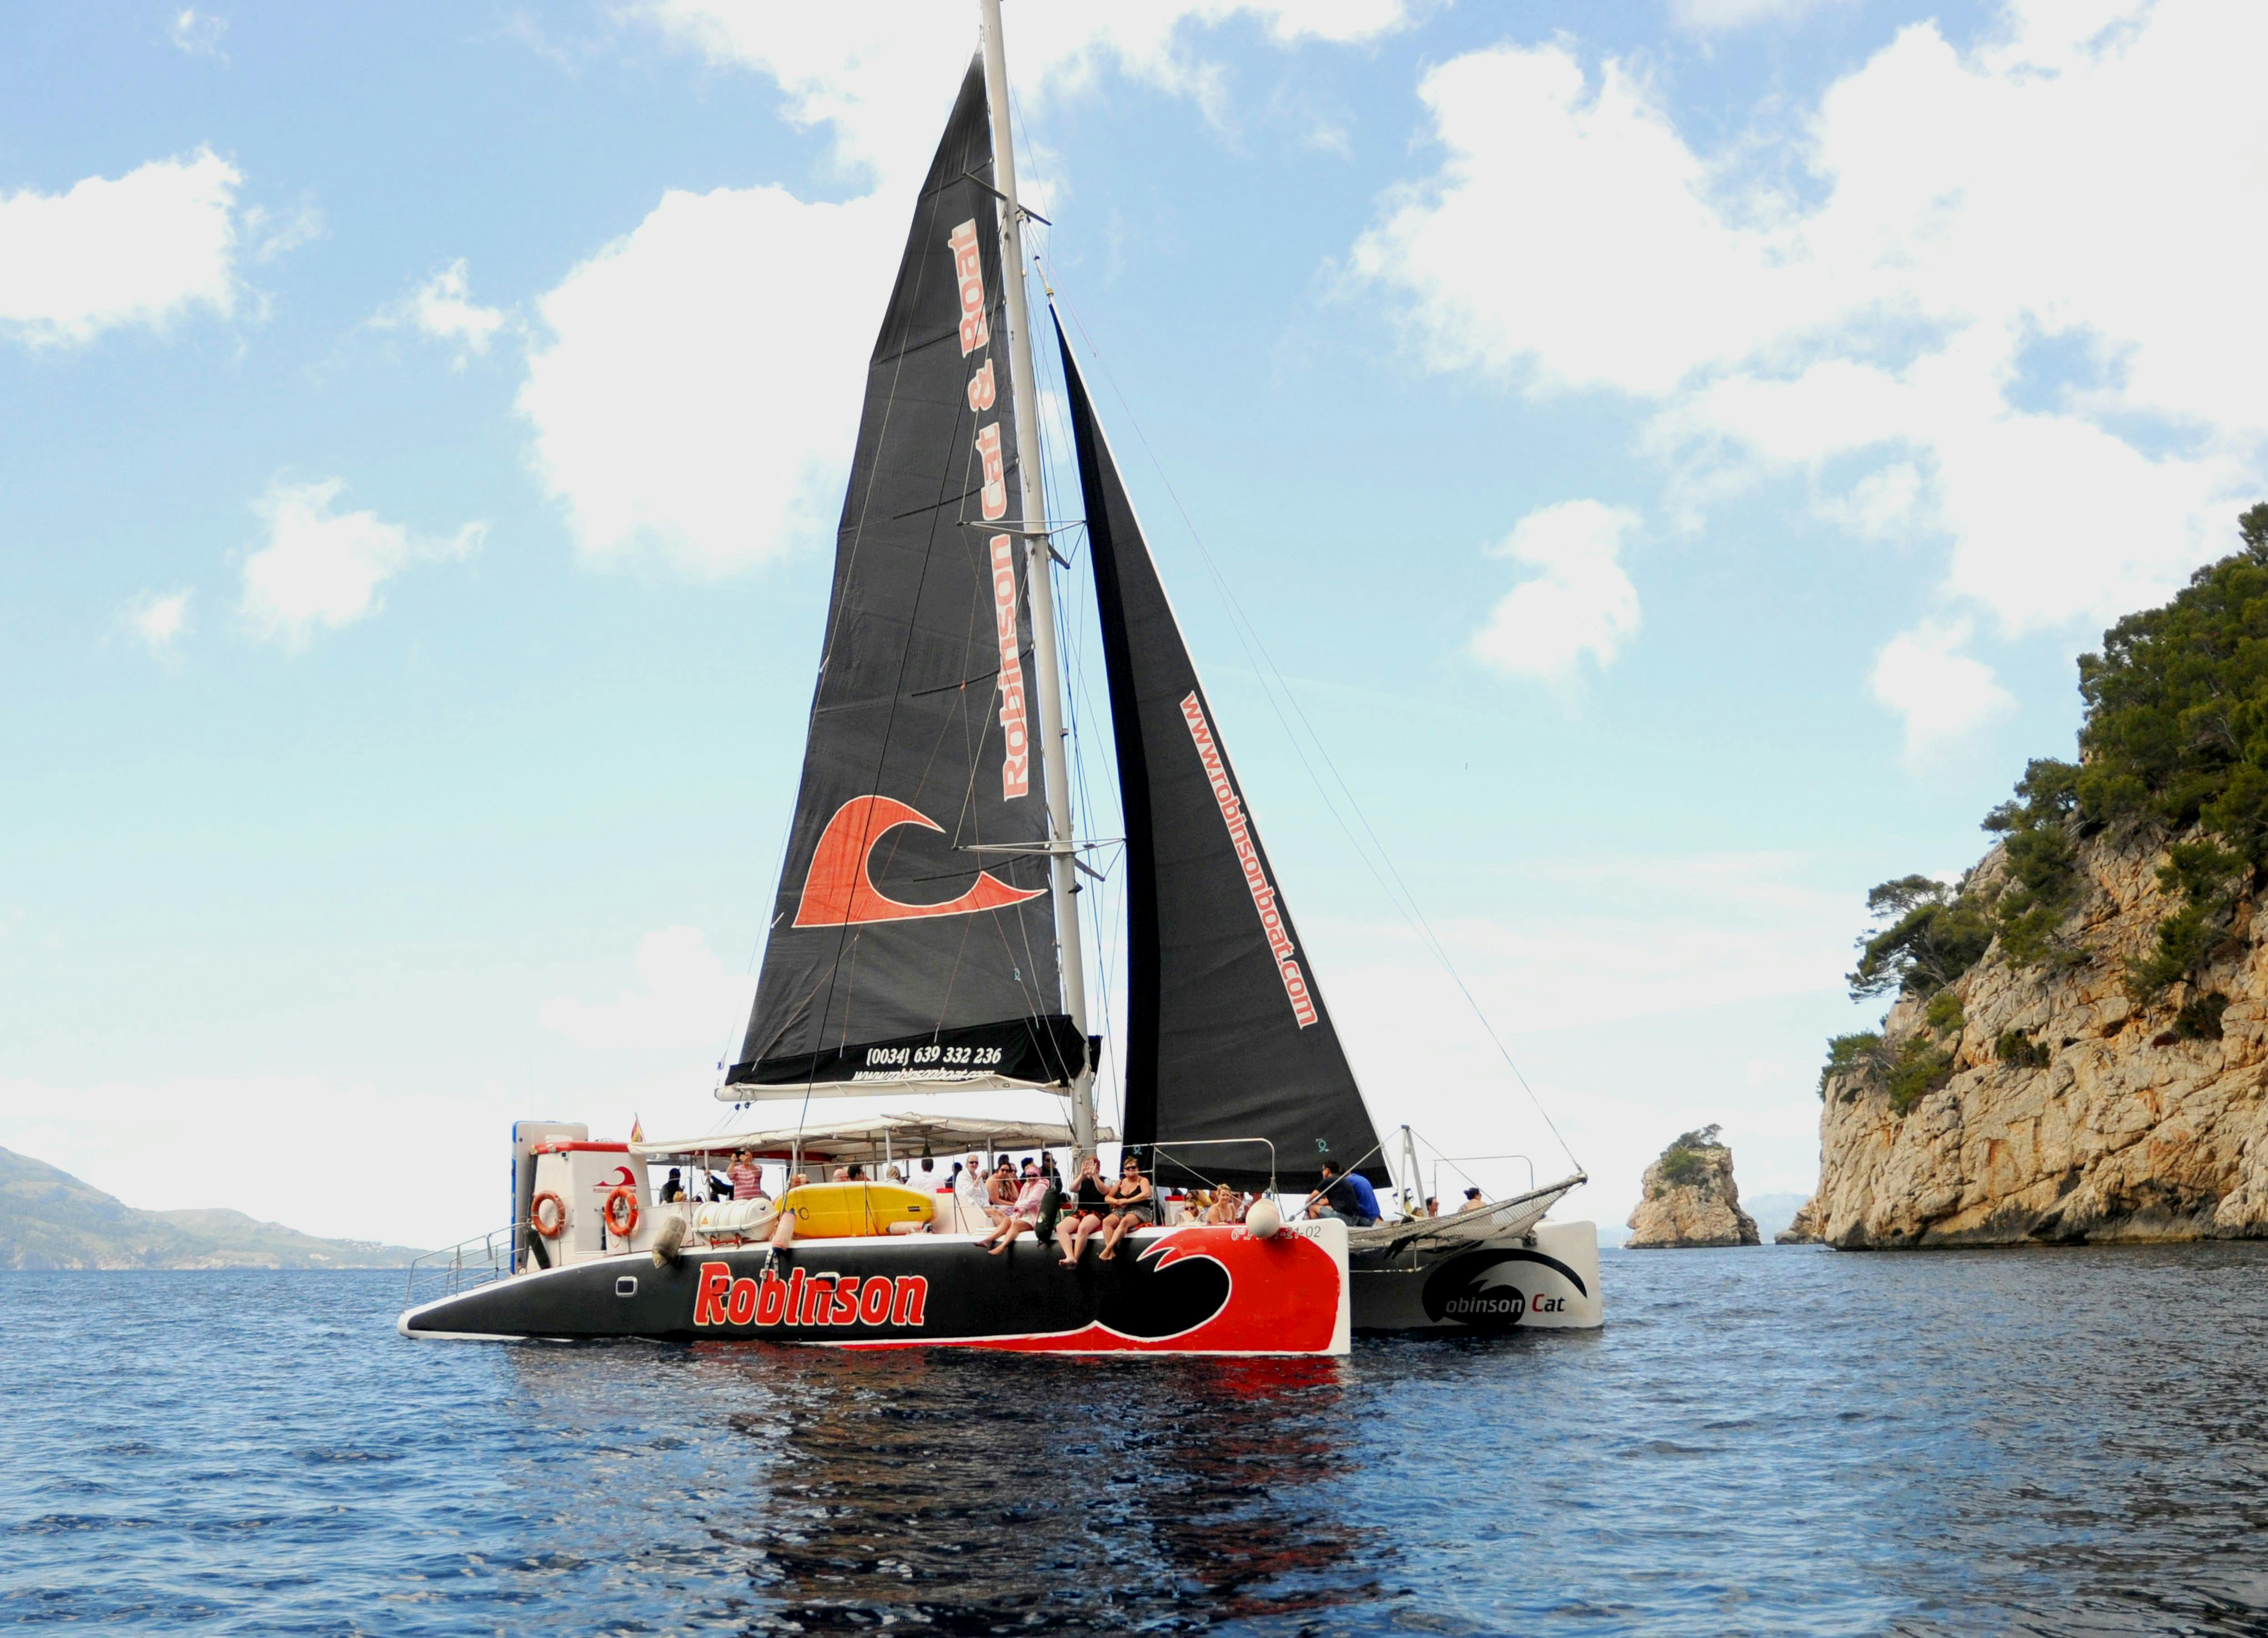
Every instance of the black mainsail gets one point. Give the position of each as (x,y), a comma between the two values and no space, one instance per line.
(1227,1036)
(912,939)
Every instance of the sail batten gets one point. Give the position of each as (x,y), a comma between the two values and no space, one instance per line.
(895,957)
(1230,1049)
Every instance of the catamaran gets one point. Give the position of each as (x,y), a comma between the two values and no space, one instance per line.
(926,939)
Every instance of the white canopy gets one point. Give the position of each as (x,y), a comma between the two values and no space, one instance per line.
(872,1082)
(879,1139)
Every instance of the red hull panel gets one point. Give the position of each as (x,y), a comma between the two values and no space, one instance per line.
(1285,1296)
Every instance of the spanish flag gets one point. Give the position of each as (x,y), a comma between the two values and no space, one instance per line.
(637,1132)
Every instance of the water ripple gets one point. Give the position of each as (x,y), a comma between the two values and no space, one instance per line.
(1772,1440)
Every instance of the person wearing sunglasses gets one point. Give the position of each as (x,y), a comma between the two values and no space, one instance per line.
(1133,1205)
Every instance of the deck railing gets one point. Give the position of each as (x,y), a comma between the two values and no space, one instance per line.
(460,1267)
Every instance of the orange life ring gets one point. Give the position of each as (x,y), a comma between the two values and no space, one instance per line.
(626,1197)
(558,1223)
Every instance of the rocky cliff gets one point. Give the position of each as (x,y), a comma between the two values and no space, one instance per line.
(2040,1101)
(1689,1199)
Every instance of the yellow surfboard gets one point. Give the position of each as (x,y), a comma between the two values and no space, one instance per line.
(826,1210)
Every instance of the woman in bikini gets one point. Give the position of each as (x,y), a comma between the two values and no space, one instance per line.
(1000,1191)
(1133,1205)
(1083,1216)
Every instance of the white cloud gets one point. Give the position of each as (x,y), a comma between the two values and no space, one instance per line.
(699,392)
(198,32)
(158,621)
(272,234)
(1884,503)
(443,309)
(1581,603)
(1569,238)
(1707,16)
(1944,695)
(2052,517)
(881,73)
(1950,210)
(320,568)
(654,394)
(141,249)
(686,1002)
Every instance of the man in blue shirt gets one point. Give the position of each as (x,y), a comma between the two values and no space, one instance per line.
(1347,1195)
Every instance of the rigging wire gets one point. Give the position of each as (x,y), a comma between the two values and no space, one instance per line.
(1102,896)
(1070,642)
(1264,667)
(1051,417)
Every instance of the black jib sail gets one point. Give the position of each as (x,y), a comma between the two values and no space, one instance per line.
(912,939)
(1227,1036)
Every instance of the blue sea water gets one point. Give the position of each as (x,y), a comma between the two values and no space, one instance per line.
(1763,1440)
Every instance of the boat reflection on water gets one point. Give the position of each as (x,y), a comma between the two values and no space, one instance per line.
(965,1491)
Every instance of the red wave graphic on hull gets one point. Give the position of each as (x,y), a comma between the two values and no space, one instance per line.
(1284,1298)
(838,891)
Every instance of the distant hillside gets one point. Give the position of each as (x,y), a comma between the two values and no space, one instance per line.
(1772,1212)
(48,1219)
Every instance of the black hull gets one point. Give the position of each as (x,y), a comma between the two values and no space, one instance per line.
(1199,1290)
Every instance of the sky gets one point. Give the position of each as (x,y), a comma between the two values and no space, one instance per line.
(1634,477)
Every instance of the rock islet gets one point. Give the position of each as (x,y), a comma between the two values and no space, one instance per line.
(1689,1199)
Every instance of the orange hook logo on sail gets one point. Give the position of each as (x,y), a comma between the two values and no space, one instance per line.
(839,892)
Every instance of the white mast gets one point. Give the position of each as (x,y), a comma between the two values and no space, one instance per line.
(1054,744)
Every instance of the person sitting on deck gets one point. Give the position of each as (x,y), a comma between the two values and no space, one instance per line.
(968,1194)
(1133,1205)
(1473,1201)
(673,1189)
(1432,1205)
(842,1174)
(747,1182)
(1082,1218)
(1000,1190)
(1344,1195)
(1024,1213)
(1228,1206)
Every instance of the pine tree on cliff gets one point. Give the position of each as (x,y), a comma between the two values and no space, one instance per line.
(2173,753)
